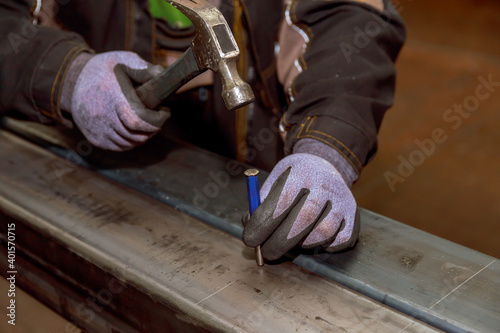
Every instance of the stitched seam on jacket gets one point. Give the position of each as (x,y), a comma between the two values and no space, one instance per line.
(310,123)
(335,147)
(58,101)
(310,134)
(53,107)
(302,127)
(58,78)
(283,119)
(337,140)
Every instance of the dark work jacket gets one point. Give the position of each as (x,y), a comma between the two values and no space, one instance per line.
(339,98)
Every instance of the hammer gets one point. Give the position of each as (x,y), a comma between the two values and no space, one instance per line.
(213,48)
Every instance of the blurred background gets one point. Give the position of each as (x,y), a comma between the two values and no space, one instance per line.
(453,192)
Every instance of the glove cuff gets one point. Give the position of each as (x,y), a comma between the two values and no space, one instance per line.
(318,148)
(74,71)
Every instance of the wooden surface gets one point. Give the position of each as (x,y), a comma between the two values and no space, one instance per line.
(206,276)
(422,275)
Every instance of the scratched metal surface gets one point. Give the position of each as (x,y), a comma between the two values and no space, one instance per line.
(429,278)
(207,276)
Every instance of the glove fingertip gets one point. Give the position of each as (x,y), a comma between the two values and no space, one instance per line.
(270,253)
(245,218)
(351,242)
(249,239)
(344,246)
(257,228)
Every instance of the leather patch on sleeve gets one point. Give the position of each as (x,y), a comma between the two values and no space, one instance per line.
(292,45)
(47,13)
(293,42)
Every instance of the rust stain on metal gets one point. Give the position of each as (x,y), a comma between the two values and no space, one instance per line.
(409,262)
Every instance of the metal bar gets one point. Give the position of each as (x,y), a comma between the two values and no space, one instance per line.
(87,229)
(424,276)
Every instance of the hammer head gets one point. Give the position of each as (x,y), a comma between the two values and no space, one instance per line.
(214,48)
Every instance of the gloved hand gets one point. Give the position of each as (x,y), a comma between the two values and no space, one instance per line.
(103,102)
(305,200)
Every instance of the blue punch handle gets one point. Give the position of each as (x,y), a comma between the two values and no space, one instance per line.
(253,189)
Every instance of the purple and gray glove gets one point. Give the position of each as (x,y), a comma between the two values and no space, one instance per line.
(99,93)
(306,201)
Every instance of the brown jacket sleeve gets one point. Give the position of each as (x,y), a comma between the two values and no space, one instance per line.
(33,62)
(342,79)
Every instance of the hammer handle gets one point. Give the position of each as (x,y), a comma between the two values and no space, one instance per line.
(154,91)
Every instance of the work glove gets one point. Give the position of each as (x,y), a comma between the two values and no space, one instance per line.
(306,201)
(103,103)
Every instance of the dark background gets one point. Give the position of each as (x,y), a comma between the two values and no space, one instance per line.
(455,192)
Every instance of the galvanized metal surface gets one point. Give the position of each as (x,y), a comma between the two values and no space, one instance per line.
(204,275)
(442,283)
